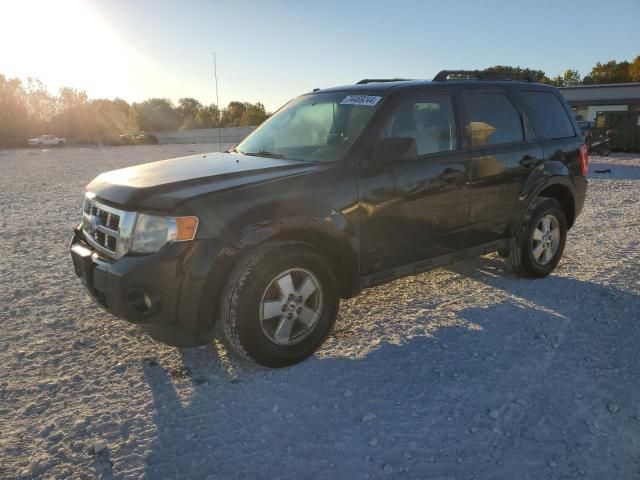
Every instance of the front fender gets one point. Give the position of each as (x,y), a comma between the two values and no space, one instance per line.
(325,228)
(242,229)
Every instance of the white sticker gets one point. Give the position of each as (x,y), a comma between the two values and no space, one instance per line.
(366,100)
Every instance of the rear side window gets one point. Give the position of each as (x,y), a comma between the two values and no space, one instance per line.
(549,113)
(493,120)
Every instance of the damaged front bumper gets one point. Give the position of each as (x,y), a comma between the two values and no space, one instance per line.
(158,292)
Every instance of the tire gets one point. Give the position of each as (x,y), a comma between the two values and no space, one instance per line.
(522,258)
(604,150)
(251,288)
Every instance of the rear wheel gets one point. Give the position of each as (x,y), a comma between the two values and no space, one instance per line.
(540,240)
(279,304)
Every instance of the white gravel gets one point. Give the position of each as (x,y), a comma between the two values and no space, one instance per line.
(463,372)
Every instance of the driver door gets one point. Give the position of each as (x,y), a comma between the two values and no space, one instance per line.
(416,209)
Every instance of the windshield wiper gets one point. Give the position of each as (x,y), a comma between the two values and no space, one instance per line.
(265,153)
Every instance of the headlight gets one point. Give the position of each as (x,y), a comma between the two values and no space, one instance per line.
(152,232)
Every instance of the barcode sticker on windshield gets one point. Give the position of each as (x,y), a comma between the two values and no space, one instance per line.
(366,100)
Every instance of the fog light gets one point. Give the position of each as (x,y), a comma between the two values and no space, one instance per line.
(140,301)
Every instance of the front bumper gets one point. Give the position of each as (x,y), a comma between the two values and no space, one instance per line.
(162,292)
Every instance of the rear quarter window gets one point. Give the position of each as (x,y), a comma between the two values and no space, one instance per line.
(549,113)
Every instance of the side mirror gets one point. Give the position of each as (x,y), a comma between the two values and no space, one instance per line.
(394,149)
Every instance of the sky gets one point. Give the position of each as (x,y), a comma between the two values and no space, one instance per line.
(271,51)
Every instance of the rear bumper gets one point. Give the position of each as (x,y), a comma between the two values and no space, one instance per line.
(580,195)
(162,293)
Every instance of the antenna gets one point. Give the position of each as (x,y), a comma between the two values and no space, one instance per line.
(215,74)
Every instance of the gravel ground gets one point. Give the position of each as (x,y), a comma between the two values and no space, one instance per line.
(463,372)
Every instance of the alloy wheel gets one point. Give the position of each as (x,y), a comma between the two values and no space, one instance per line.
(291,306)
(546,239)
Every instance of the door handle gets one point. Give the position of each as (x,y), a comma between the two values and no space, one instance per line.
(528,161)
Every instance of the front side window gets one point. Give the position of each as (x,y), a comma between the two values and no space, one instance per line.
(429,120)
(493,120)
(318,127)
(550,112)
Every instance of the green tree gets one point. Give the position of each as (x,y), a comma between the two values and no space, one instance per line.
(94,118)
(634,70)
(535,75)
(610,72)
(28,109)
(40,103)
(253,115)
(70,97)
(242,114)
(157,114)
(14,115)
(209,116)
(570,78)
(232,115)
(132,120)
(189,108)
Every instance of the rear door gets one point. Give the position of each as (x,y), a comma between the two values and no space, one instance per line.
(414,210)
(503,152)
(551,114)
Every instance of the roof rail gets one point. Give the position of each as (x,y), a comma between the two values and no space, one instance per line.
(381,80)
(443,75)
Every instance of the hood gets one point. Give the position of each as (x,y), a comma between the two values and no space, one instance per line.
(165,184)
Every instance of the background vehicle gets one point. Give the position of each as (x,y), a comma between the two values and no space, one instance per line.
(599,144)
(342,189)
(137,139)
(585,126)
(47,140)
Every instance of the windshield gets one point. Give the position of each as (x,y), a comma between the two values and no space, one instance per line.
(318,127)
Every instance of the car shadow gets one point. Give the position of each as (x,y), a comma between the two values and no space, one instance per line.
(521,386)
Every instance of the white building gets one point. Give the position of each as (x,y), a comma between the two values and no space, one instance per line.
(587,100)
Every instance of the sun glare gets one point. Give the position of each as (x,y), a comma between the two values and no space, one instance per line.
(64,43)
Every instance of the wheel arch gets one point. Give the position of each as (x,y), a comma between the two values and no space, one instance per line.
(341,256)
(338,252)
(554,180)
(565,196)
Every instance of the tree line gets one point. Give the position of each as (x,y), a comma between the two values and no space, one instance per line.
(602,73)
(28,109)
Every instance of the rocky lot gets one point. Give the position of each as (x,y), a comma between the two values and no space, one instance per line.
(463,372)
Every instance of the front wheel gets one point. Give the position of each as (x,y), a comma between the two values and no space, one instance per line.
(279,304)
(540,240)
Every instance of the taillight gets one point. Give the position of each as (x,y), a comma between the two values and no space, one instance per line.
(584,160)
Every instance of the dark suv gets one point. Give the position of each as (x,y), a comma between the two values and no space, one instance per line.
(341,189)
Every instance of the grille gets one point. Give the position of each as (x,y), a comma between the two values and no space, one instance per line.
(109,220)
(103,227)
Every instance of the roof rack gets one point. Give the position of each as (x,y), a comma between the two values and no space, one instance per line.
(381,80)
(443,75)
